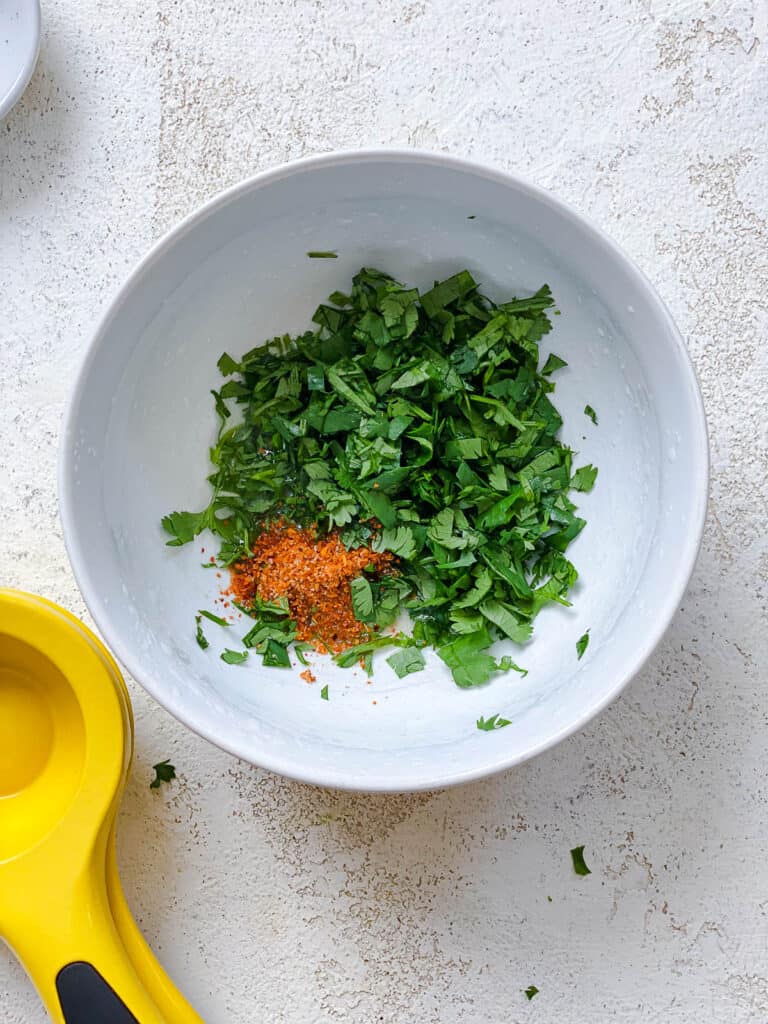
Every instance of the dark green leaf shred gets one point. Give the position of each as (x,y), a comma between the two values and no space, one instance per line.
(164,772)
(213,618)
(581,645)
(579,864)
(492,723)
(199,634)
(233,657)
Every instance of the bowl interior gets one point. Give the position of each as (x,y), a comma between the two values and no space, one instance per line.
(142,419)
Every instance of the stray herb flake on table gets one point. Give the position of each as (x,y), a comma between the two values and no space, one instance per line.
(530,992)
(164,772)
(316,254)
(494,722)
(324,692)
(589,411)
(581,645)
(403,455)
(579,864)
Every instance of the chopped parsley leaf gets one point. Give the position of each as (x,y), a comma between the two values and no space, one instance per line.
(581,645)
(164,772)
(579,864)
(214,618)
(406,660)
(234,657)
(494,722)
(199,634)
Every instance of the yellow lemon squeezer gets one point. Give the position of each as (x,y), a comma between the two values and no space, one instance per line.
(66,738)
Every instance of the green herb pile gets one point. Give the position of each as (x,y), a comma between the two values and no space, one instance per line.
(418,424)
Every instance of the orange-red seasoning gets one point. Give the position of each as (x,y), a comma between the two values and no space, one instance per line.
(314,574)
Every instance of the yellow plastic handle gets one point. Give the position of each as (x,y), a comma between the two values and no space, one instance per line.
(167,997)
(77,928)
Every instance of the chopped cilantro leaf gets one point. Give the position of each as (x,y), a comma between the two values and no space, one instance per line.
(589,411)
(492,723)
(299,649)
(553,363)
(406,660)
(233,657)
(316,254)
(584,479)
(199,634)
(185,526)
(530,992)
(164,772)
(275,655)
(579,864)
(214,618)
(581,645)
(227,365)
(324,692)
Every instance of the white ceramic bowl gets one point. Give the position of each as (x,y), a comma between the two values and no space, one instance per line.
(19,47)
(234,273)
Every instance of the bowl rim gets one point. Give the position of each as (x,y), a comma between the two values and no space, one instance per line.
(9,100)
(292,766)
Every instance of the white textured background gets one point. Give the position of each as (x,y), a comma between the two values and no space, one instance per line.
(272,901)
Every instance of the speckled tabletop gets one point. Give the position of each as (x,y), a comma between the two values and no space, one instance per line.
(269,900)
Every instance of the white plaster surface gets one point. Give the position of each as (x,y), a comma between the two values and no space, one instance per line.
(268,900)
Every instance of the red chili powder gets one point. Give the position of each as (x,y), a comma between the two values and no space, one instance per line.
(314,574)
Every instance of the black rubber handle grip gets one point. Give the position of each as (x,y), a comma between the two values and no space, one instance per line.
(87,999)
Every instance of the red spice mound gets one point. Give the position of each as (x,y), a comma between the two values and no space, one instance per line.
(314,574)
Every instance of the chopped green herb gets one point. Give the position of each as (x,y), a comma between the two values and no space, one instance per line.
(581,645)
(164,772)
(319,255)
(579,864)
(589,411)
(199,634)
(299,649)
(530,992)
(417,424)
(227,365)
(208,565)
(584,478)
(553,363)
(494,722)
(471,216)
(233,657)
(324,692)
(275,654)
(185,526)
(406,660)
(549,899)
(214,618)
